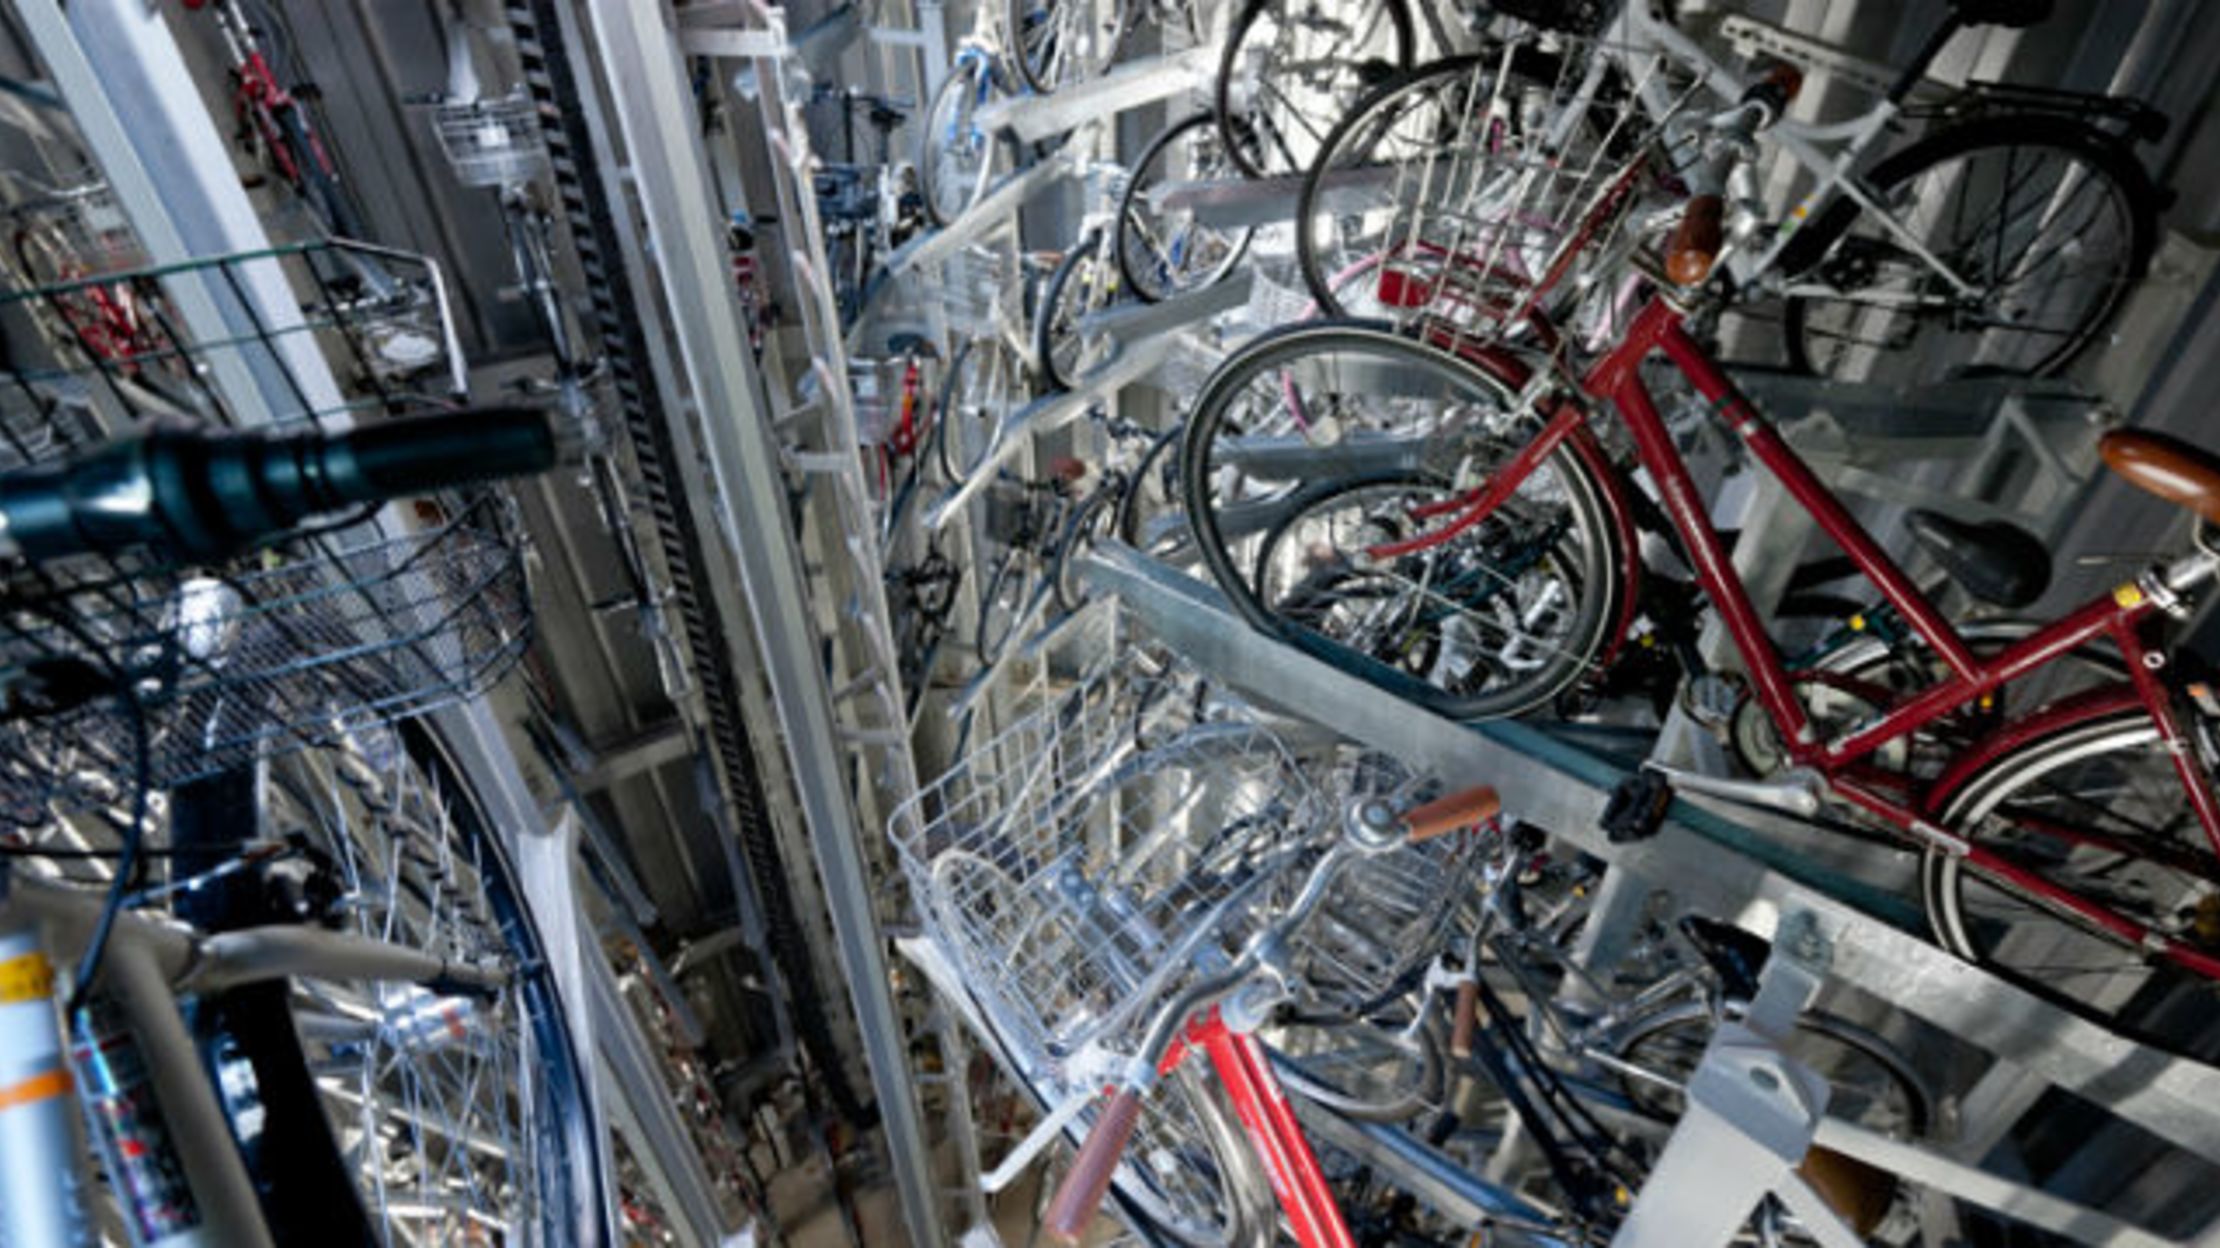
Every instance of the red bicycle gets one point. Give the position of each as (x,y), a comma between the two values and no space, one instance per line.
(1434,507)
(275,123)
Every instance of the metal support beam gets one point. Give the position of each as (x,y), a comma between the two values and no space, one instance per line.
(1745,877)
(655,108)
(1033,118)
(667,742)
(1045,415)
(994,209)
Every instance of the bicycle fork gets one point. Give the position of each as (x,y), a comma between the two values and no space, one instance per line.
(1270,1123)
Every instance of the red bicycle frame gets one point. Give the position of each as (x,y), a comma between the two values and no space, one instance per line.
(1269,1121)
(1843,761)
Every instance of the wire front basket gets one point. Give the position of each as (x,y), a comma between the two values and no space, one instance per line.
(1075,878)
(330,633)
(296,646)
(495,142)
(1488,196)
(1082,865)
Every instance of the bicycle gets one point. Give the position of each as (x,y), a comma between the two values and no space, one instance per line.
(330,895)
(2066,838)
(1162,253)
(1998,243)
(1292,68)
(1079,881)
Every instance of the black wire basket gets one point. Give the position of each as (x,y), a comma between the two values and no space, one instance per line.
(117,671)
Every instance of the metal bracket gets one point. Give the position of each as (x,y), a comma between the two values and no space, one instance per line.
(1033,118)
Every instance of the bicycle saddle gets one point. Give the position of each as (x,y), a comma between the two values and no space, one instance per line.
(1734,954)
(2174,470)
(2002,564)
(2010,14)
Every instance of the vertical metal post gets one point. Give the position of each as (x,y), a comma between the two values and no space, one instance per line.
(655,109)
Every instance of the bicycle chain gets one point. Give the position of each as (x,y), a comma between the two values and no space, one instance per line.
(548,76)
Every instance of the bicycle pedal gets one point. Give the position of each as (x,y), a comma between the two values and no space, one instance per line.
(1637,808)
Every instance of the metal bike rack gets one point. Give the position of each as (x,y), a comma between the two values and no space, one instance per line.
(1745,876)
(1032,118)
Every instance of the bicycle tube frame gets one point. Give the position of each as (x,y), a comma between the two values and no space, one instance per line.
(1800,139)
(1270,1123)
(2119,617)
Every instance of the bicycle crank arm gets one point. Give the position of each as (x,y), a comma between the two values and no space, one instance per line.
(1797,792)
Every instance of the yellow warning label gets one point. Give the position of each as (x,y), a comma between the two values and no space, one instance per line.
(26,978)
(2128,595)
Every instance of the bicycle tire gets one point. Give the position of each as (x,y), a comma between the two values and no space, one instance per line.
(1008,597)
(1601,562)
(288,1125)
(1094,518)
(1038,77)
(1358,132)
(2115,749)
(2135,201)
(1055,324)
(971,425)
(1238,133)
(1130,203)
(1915,1120)
(1157,471)
(957,91)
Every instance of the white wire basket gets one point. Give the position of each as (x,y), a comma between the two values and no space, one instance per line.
(1078,876)
(495,142)
(1485,196)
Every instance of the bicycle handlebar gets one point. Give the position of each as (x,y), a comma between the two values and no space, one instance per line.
(1080,1194)
(1701,236)
(192,495)
(1475,805)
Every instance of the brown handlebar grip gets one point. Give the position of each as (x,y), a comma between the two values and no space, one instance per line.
(1464,1020)
(1696,241)
(1477,804)
(1082,1190)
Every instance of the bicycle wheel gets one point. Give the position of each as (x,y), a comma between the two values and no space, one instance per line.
(1166,252)
(1873,1084)
(985,382)
(1303,483)
(1444,165)
(1084,282)
(1148,514)
(1008,598)
(1188,1175)
(1096,518)
(2097,810)
(1056,43)
(1291,68)
(956,158)
(2050,222)
(461,1112)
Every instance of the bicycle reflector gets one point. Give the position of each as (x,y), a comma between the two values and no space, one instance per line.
(196,495)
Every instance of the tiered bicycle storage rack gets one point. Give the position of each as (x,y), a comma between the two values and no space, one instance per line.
(777,433)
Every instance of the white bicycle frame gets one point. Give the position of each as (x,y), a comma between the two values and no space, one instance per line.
(1638,33)
(147,962)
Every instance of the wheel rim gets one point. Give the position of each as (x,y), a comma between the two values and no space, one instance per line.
(1167,252)
(2115,779)
(441,1104)
(2045,238)
(1292,74)
(1487,620)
